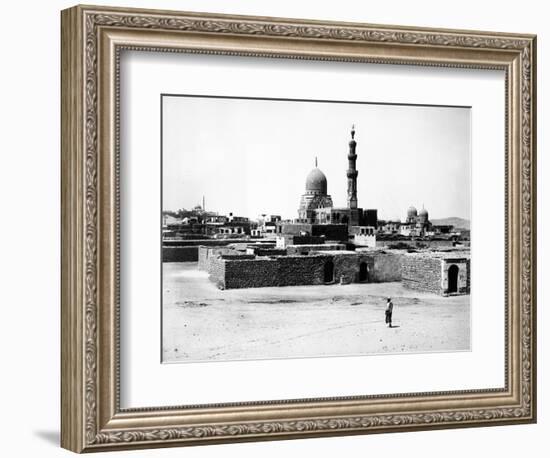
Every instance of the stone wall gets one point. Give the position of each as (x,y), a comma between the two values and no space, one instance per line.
(463,282)
(216,272)
(253,273)
(422,273)
(285,240)
(346,268)
(301,270)
(200,242)
(187,250)
(264,272)
(399,243)
(426,271)
(328,231)
(267,251)
(387,267)
(305,249)
(208,254)
(239,272)
(180,254)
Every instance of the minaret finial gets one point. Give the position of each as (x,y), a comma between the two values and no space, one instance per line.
(315,161)
(352,173)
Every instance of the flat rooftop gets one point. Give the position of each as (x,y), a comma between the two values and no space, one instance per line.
(335,252)
(442,254)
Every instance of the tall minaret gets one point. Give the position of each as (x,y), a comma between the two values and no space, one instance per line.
(352,171)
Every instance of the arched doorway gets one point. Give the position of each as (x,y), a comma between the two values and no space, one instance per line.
(453,279)
(363,272)
(329,272)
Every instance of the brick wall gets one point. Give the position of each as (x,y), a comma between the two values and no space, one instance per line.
(208,254)
(387,267)
(421,273)
(331,231)
(280,271)
(346,268)
(228,268)
(301,270)
(200,242)
(253,273)
(463,282)
(180,254)
(216,272)
(398,243)
(305,249)
(187,250)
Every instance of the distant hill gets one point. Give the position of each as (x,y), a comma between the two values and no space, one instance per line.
(458,223)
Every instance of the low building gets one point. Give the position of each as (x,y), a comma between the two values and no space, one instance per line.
(230,230)
(228,268)
(337,232)
(305,250)
(389,227)
(365,236)
(250,266)
(285,240)
(444,273)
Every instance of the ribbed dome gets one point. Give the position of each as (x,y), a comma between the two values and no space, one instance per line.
(316,181)
(411,211)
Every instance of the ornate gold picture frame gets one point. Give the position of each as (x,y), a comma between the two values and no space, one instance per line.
(92,40)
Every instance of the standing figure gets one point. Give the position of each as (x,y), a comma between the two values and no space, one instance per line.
(389,310)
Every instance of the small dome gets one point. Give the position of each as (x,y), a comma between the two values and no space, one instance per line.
(423,212)
(316,181)
(411,211)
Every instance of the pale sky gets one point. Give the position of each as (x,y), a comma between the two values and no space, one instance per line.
(252,157)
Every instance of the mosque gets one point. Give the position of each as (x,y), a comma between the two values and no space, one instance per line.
(416,223)
(316,205)
(317,247)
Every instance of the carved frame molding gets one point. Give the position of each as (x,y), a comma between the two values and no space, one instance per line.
(92,39)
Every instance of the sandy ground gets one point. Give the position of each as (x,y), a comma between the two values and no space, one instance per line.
(203,323)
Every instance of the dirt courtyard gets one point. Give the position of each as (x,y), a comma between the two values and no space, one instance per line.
(203,323)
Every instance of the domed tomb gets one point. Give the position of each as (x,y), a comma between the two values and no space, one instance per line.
(316,182)
(315,196)
(423,215)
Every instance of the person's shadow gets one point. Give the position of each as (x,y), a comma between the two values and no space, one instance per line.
(51,437)
(394,326)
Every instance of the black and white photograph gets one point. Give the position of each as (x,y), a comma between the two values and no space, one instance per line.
(312,228)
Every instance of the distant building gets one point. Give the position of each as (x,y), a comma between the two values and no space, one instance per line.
(389,227)
(217,219)
(316,206)
(315,196)
(365,236)
(169,220)
(237,219)
(416,223)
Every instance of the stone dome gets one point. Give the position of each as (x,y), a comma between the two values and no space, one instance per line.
(316,181)
(411,212)
(423,215)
